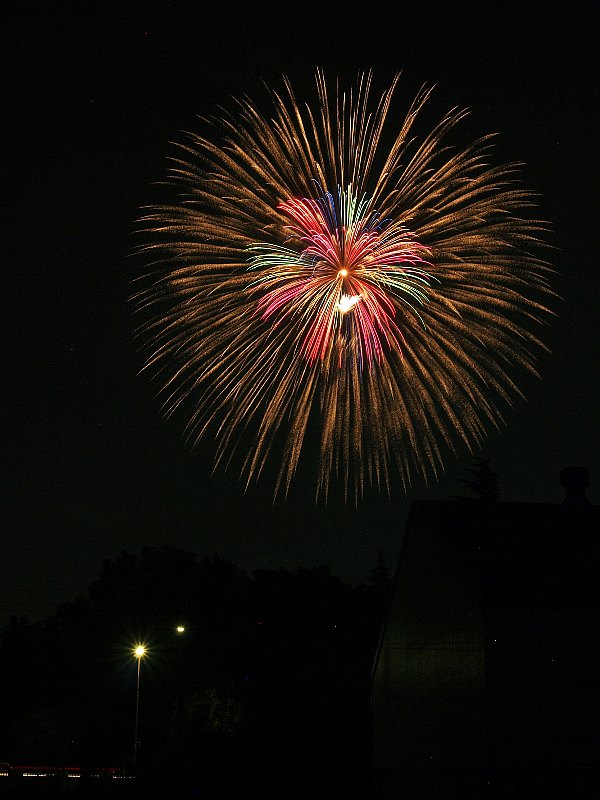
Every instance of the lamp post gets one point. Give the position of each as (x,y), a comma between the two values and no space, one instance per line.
(180,630)
(139,652)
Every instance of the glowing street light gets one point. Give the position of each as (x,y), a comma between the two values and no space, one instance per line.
(179,630)
(139,651)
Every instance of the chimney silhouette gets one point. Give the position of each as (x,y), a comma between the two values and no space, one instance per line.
(575,482)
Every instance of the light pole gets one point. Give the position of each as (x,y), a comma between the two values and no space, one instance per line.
(139,651)
(180,630)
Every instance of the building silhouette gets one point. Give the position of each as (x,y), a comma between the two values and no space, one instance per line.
(486,682)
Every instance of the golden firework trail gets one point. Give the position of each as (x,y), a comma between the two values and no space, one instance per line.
(307,272)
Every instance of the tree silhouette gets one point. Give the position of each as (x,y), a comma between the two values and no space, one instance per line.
(271,669)
(483,484)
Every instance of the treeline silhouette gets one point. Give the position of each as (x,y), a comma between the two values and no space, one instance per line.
(273,669)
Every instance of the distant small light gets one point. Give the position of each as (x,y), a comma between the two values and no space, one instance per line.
(180,629)
(140,651)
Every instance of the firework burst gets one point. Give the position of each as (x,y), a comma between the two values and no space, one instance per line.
(306,275)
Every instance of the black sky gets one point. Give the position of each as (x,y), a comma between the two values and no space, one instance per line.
(94,93)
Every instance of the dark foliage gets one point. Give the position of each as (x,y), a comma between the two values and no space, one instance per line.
(483,484)
(272,669)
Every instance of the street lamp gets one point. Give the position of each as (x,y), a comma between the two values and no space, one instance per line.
(179,630)
(139,651)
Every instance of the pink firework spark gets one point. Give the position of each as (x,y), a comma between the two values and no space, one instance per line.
(344,272)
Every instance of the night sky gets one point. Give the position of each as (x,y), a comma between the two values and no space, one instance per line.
(93,96)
